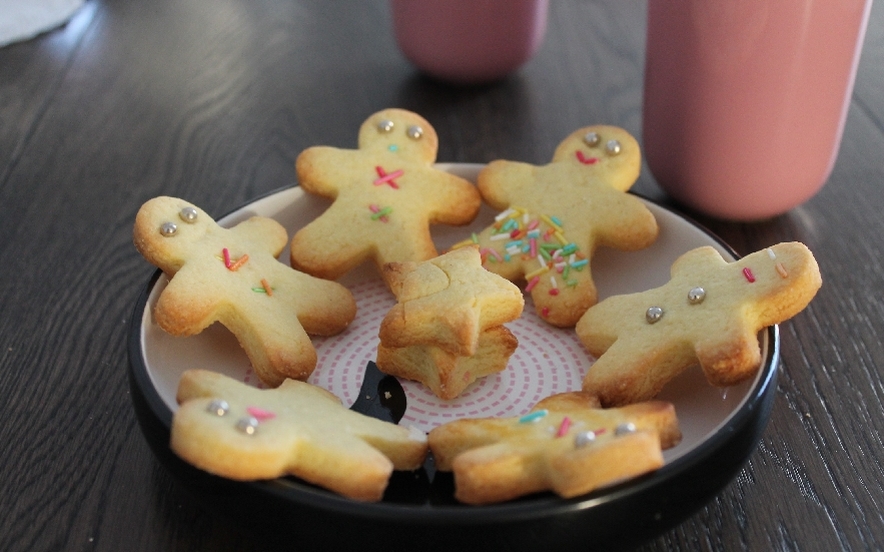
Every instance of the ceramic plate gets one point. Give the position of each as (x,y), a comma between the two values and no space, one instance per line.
(721,426)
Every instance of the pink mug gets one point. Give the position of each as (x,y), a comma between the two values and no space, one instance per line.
(745,101)
(469,41)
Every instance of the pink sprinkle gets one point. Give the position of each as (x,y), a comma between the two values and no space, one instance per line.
(747,272)
(374,208)
(533,247)
(226,255)
(533,224)
(260,413)
(554,291)
(563,429)
(544,312)
(385,178)
(532,283)
(492,252)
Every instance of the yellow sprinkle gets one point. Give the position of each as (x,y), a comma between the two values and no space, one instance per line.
(550,221)
(537,272)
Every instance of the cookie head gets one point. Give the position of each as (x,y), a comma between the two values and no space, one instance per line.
(167,229)
(604,150)
(401,132)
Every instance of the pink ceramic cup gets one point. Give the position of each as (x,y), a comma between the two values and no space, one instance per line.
(469,41)
(745,100)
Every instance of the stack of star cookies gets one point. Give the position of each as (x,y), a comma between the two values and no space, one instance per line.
(446,329)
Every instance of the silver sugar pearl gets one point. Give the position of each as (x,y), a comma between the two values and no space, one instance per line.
(168,229)
(613,147)
(592,139)
(386,125)
(624,429)
(414,132)
(654,314)
(218,407)
(584,438)
(248,425)
(696,295)
(188,214)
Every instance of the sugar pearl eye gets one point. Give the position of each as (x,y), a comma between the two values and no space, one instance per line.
(168,229)
(625,429)
(653,315)
(696,295)
(584,438)
(188,214)
(592,139)
(414,132)
(248,425)
(385,126)
(218,407)
(612,147)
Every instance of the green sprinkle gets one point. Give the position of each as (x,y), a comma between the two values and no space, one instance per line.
(382,213)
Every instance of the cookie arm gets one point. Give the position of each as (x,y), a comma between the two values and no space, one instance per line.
(188,304)
(458,200)
(636,229)
(500,181)
(318,170)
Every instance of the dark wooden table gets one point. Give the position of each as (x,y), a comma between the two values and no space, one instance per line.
(212,101)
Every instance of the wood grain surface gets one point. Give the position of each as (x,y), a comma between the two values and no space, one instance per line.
(212,101)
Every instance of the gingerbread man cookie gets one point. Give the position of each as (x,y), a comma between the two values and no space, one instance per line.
(555,216)
(233,276)
(566,444)
(446,330)
(236,431)
(386,195)
(710,312)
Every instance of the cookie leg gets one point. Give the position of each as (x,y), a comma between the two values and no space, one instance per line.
(631,372)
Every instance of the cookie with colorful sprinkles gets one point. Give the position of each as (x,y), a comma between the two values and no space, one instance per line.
(554,216)
(709,313)
(386,194)
(236,431)
(233,276)
(566,444)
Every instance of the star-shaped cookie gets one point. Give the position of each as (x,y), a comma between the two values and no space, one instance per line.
(446,327)
(566,444)
(233,276)
(236,431)
(386,195)
(710,312)
(555,216)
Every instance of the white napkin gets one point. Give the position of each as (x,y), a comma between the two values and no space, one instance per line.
(24,19)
